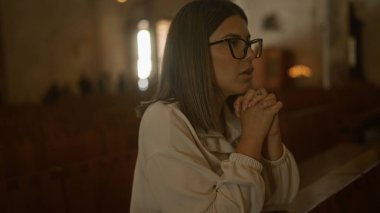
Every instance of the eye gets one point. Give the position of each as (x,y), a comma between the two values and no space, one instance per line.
(234,41)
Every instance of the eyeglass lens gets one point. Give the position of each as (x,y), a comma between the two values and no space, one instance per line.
(239,48)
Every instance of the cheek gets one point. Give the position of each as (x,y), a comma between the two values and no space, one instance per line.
(220,58)
(224,65)
(224,71)
(227,78)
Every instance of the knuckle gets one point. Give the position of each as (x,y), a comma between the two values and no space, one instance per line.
(272,95)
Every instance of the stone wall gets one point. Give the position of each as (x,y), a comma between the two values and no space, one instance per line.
(46,42)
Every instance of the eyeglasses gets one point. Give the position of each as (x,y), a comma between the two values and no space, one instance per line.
(239,47)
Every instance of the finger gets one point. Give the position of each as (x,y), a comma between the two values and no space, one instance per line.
(261,91)
(267,103)
(275,108)
(260,94)
(270,96)
(247,98)
(237,105)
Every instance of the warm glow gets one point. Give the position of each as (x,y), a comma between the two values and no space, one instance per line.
(121,1)
(298,71)
(144,61)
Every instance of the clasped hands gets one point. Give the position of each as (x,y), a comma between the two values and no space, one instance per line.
(258,113)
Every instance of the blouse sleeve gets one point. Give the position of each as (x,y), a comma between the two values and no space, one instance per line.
(281,179)
(182,182)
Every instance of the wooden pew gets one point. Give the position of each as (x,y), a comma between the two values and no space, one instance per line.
(331,133)
(90,146)
(343,179)
(74,145)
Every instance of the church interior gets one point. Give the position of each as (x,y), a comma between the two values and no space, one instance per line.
(72,73)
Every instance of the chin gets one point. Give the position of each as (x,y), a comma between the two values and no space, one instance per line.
(237,88)
(240,90)
(245,87)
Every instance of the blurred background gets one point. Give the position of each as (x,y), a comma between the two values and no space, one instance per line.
(48,44)
(72,72)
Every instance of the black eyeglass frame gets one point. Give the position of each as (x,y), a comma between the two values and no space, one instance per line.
(247,43)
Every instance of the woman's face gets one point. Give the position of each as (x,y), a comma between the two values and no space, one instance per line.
(233,76)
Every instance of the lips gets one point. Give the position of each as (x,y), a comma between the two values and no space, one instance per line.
(248,71)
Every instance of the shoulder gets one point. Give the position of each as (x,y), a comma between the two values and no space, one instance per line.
(161,110)
(162,106)
(163,115)
(165,127)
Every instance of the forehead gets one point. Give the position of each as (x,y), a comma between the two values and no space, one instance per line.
(231,25)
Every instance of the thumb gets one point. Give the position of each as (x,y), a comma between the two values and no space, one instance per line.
(238,105)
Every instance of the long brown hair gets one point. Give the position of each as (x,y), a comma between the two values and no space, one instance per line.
(187,70)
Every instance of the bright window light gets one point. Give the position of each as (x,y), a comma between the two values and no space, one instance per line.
(144,67)
(144,61)
(143,84)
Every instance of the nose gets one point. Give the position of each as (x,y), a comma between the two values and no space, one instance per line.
(250,54)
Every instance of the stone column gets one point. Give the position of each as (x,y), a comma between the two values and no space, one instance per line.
(335,37)
(2,59)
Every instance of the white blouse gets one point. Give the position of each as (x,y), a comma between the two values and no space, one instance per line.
(178,170)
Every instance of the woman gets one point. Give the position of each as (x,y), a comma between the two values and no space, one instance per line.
(197,153)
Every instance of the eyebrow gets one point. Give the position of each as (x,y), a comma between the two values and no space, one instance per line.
(234,35)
